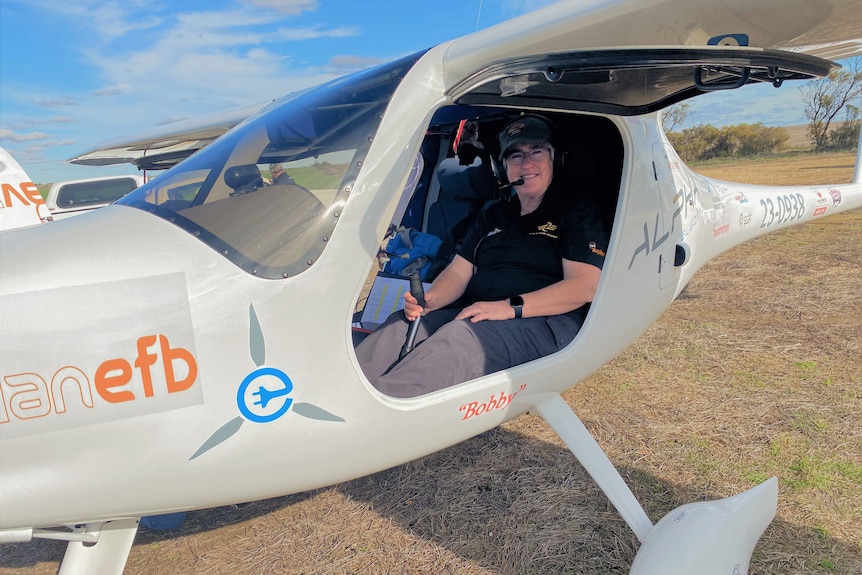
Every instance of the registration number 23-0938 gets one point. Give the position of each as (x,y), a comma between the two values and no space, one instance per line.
(786,208)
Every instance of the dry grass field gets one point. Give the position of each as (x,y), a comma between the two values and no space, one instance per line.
(755,371)
(798,137)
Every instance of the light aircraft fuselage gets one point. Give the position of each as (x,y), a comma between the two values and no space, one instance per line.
(202,353)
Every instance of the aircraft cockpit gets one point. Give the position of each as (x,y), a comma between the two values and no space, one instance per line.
(222,194)
(456,175)
(441,170)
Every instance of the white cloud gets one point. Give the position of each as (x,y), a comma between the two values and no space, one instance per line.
(344,64)
(187,63)
(518,7)
(41,146)
(172,120)
(105,20)
(286,6)
(157,65)
(57,102)
(749,105)
(219,27)
(294,34)
(6,134)
(213,50)
(112,91)
(30,122)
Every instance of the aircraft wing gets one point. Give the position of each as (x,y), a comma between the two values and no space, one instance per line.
(816,27)
(797,25)
(167,145)
(832,50)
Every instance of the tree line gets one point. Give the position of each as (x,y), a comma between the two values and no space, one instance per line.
(824,101)
(706,142)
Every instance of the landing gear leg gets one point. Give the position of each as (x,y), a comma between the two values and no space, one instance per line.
(107,556)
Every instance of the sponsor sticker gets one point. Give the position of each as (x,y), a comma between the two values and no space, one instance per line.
(117,349)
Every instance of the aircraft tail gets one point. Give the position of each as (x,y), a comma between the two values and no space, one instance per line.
(21,204)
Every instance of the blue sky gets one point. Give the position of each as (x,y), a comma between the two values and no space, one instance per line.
(76,74)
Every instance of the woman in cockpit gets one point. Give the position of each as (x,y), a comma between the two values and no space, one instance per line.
(518,289)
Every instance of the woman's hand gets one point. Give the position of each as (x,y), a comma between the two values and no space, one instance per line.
(487,310)
(448,287)
(412,309)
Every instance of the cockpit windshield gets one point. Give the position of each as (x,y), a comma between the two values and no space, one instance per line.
(267,195)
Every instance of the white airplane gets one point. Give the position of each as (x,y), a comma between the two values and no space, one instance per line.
(21,204)
(205,354)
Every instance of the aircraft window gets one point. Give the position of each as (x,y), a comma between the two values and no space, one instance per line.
(179,188)
(94,193)
(267,194)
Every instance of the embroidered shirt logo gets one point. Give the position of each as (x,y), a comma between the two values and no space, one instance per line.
(595,249)
(547,229)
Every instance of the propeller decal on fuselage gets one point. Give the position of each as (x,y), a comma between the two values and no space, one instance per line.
(263,404)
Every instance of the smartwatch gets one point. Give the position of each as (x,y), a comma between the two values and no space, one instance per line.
(517,303)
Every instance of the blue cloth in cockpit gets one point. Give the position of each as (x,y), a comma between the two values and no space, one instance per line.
(410,251)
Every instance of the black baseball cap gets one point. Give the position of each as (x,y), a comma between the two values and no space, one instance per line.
(526,129)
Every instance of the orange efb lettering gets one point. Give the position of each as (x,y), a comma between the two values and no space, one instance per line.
(67,378)
(144,361)
(179,354)
(107,378)
(29,396)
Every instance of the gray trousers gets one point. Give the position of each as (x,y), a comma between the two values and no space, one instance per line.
(449,352)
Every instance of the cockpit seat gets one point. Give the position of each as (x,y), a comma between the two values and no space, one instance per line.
(243,179)
(464,191)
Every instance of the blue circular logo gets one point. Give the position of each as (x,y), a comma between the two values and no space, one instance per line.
(256,405)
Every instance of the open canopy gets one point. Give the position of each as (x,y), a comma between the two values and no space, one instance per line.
(276,229)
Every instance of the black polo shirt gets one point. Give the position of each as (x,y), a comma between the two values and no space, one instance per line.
(515,254)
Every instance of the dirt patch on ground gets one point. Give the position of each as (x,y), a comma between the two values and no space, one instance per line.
(754,371)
